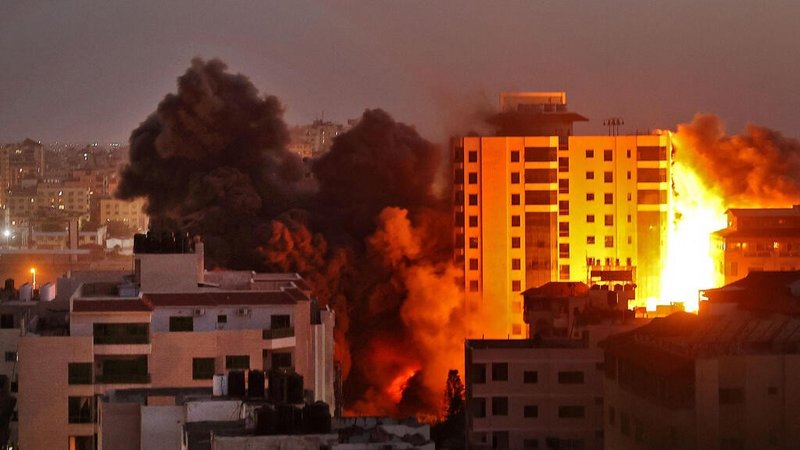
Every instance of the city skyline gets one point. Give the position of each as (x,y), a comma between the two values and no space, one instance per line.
(92,71)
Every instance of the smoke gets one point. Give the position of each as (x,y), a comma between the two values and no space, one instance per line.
(760,167)
(372,237)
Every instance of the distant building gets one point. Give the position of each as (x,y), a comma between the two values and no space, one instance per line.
(546,391)
(757,240)
(21,161)
(316,138)
(166,326)
(710,382)
(536,203)
(129,212)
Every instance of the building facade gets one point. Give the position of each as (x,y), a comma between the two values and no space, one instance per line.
(766,239)
(167,327)
(536,204)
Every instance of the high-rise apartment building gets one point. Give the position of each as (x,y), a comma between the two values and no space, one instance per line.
(535,204)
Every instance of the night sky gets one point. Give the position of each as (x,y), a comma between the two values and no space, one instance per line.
(94,69)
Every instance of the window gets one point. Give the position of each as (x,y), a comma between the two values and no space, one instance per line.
(458,176)
(590,196)
(181,323)
(629,218)
(6,321)
(473,286)
(609,220)
(222,318)
(515,221)
(473,178)
(515,199)
(516,286)
(563,207)
(563,229)
(499,406)
(499,371)
(608,198)
(564,272)
(651,153)
(514,177)
(458,154)
(571,412)
(563,250)
(731,396)
(516,264)
(516,328)
(473,199)
(530,377)
(281,359)
(280,321)
(473,264)
(540,176)
(478,407)
(478,373)
(79,373)
(514,155)
(590,153)
(515,242)
(540,154)
(563,186)
(237,362)
(589,175)
(590,240)
(11,356)
(202,368)
(608,155)
(570,377)
(563,164)
(612,415)
(590,218)
(629,174)
(628,153)
(81,443)
(530,444)
(609,242)
(608,177)
(531,411)
(473,221)
(500,439)
(80,410)
(473,242)
(472,156)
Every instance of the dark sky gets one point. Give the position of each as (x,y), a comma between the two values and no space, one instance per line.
(92,70)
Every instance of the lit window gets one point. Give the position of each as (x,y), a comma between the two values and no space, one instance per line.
(589,175)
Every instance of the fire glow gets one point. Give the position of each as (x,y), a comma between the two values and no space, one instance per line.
(694,213)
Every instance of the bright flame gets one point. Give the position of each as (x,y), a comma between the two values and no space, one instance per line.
(398,385)
(695,212)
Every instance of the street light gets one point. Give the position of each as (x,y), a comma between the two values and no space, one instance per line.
(33,273)
(7,234)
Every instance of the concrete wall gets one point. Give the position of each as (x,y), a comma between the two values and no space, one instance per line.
(161,427)
(259,317)
(44,391)
(213,410)
(302,442)
(547,394)
(121,426)
(173,272)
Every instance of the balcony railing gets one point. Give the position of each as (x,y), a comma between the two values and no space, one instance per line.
(124,378)
(131,339)
(277,333)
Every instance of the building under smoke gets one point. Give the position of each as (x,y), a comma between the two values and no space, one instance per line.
(536,203)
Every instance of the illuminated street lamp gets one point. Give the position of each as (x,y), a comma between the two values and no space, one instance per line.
(7,234)
(33,273)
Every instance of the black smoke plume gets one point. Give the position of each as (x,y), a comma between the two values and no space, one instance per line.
(372,236)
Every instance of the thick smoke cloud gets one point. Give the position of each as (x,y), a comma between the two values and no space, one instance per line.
(760,167)
(372,236)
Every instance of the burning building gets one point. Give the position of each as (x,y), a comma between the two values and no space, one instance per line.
(536,203)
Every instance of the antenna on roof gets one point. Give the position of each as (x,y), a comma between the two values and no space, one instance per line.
(613,124)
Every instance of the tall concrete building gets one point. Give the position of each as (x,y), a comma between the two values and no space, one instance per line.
(535,204)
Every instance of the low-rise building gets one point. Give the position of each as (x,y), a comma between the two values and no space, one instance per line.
(165,326)
(545,391)
(763,239)
(713,381)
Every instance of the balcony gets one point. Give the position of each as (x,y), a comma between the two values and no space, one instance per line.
(278,333)
(123,378)
(132,339)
